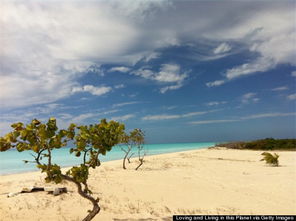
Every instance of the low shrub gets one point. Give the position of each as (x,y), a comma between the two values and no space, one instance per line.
(263,144)
(270,159)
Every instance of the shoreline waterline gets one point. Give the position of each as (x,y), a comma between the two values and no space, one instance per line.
(12,161)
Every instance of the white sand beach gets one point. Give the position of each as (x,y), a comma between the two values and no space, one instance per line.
(206,181)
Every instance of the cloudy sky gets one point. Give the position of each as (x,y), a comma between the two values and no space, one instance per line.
(183,71)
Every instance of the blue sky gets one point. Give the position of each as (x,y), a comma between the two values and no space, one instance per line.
(183,71)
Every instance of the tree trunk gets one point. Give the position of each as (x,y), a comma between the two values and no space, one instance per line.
(123,164)
(141,163)
(124,159)
(128,158)
(96,208)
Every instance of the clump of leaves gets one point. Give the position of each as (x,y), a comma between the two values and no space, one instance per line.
(90,141)
(270,159)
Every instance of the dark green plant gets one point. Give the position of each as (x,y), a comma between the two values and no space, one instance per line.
(90,141)
(270,159)
(263,144)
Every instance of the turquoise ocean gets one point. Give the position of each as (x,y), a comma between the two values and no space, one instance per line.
(11,161)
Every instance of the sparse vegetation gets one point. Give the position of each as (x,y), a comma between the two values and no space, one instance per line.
(270,159)
(135,139)
(141,151)
(264,144)
(90,142)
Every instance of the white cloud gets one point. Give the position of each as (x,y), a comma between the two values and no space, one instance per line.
(222,48)
(292,97)
(256,99)
(293,73)
(65,116)
(144,73)
(195,113)
(174,116)
(260,65)
(249,98)
(211,121)
(119,86)
(120,69)
(26,115)
(161,117)
(85,98)
(45,111)
(132,95)
(172,87)
(95,69)
(258,32)
(125,103)
(97,91)
(212,103)
(42,59)
(250,117)
(283,88)
(215,103)
(170,107)
(109,112)
(80,118)
(168,74)
(26,89)
(123,118)
(151,56)
(42,112)
(268,115)
(215,83)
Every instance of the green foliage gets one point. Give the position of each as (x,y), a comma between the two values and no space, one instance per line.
(136,137)
(41,138)
(90,141)
(80,174)
(4,145)
(101,137)
(270,159)
(54,174)
(37,137)
(264,144)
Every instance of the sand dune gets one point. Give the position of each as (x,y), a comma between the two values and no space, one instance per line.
(207,181)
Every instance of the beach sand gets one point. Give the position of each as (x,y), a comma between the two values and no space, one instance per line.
(207,181)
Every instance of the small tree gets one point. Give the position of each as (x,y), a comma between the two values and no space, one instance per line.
(141,155)
(126,148)
(90,141)
(137,137)
(270,159)
(134,139)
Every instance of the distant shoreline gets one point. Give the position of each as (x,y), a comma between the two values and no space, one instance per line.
(104,159)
